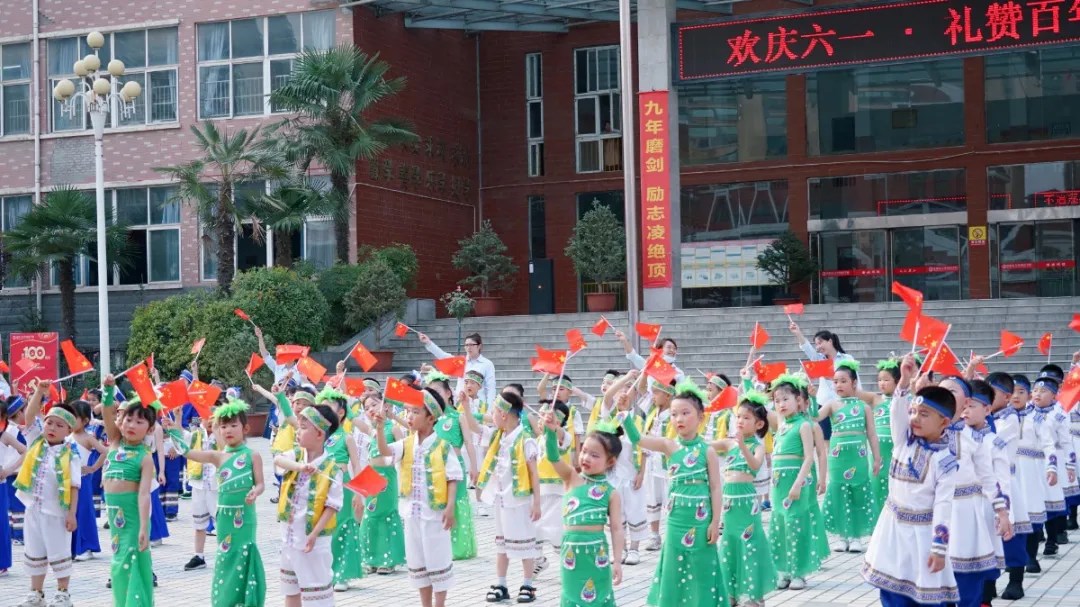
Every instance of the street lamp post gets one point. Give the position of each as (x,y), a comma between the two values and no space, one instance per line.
(99,96)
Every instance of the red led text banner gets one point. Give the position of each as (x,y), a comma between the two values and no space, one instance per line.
(1021,266)
(857,273)
(881,32)
(908,271)
(655,189)
(1068,198)
(33,356)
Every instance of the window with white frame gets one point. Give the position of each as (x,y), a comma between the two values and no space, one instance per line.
(15,89)
(242,61)
(597,110)
(12,209)
(314,242)
(151,58)
(534,112)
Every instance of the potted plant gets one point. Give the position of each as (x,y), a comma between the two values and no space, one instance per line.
(378,293)
(598,250)
(459,305)
(787,262)
(490,269)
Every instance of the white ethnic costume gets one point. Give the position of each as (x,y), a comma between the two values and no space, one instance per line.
(976,546)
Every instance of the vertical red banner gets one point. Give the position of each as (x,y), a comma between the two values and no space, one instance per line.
(33,356)
(655,173)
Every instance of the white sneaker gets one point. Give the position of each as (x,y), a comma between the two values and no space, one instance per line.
(855,546)
(632,557)
(60,599)
(85,556)
(341,587)
(797,584)
(840,546)
(653,544)
(156,543)
(33,600)
(539,565)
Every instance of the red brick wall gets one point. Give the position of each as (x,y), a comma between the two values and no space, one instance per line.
(432,204)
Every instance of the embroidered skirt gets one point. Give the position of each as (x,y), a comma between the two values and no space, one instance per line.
(895,560)
(746,560)
(586,570)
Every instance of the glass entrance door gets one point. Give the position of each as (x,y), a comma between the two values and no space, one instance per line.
(852,266)
(928,259)
(1034,259)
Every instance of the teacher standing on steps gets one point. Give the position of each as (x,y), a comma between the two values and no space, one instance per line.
(474,361)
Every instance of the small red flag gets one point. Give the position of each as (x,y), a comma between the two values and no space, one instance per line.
(368,483)
(648,331)
(816,369)
(1045,342)
(1070,390)
(728,398)
(576,341)
(363,357)
(3,367)
(931,330)
(354,387)
(76,362)
(254,364)
(242,314)
(401,329)
(311,369)
(659,369)
(767,372)
(400,394)
(549,361)
(1010,343)
(197,346)
(287,353)
(140,380)
(453,366)
(203,396)
(913,298)
(601,327)
(54,395)
(174,394)
(793,309)
(1074,324)
(759,336)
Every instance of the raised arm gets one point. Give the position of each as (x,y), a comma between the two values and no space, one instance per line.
(108,409)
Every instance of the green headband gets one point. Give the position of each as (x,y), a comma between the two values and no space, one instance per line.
(304,395)
(849,364)
(315,417)
(665,388)
(559,415)
(230,409)
(62,415)
(687,386)
(610,377)
(372,385)
(885,365)
(718,381)
(475,376)
(754,397)
(503,404)
(432,405)
(329,393)
(565,384)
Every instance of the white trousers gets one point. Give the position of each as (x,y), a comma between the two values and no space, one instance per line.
(47,543)
(203,506)
(309,574)
(428,554)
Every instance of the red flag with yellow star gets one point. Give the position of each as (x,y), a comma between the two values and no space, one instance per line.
(1070,390)
(659,369)
(76,362)
(140,380)
(203,396)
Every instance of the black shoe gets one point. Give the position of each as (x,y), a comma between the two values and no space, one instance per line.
(1050,549)
(1015,590)
(106,524)
(170,519)
(155,580)
(497,594)
(1072,525)
(196,562)
(1062,537)
(1033,566)
(108,583)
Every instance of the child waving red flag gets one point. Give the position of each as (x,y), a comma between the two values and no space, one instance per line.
(759,336)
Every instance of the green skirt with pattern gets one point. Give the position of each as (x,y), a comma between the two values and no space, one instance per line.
(239,577)
(797,540)
(688,574)
(132,569)
(821,537)
(348,561)
(746,561)
(849,495)
(586,570)
(463,535)
(382,533)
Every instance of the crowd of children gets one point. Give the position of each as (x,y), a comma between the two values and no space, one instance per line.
(944,482)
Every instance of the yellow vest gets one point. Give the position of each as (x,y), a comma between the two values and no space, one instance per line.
(546,469)
(519,468)
(319,487)
(194,468)
(33,458)
(434,471)
(284,440)
(594,416)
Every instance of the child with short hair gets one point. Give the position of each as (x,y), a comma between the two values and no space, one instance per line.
(48,485)
(511,463)
(84,540)
(311,496)
(907,558)
(201,475)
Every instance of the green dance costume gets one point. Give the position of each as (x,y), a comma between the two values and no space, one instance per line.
(463,535)
(132,569)
(348,563)
(688,574)
(382,532)
(586,559)
(821,537)
(746,560)
(882,419)
(796,539)
(239,577)
(849,498)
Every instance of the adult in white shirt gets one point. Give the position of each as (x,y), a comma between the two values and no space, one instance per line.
(474,361)
(669,352)
(279,371)
(826,346)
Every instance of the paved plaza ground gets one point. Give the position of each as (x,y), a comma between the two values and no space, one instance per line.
(838,584)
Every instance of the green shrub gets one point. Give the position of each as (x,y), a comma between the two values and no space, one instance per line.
(335,283)
(400,257)
(285,306)
(378,292)
(166,328)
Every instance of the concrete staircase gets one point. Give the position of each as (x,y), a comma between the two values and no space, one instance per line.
(717,339)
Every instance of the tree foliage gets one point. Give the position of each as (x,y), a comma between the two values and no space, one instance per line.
(377,293)
(787,261)
(598,245)
(483,256)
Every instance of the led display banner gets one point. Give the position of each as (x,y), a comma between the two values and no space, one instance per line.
(882,32)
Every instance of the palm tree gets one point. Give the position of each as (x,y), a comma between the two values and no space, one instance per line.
(332,92)
(285,209)
(210,183)
(58,231)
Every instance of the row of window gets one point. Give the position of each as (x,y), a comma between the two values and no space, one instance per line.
(240,63)
(152,216)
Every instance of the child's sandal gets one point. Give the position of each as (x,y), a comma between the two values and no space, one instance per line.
(498,594)
(526,594)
